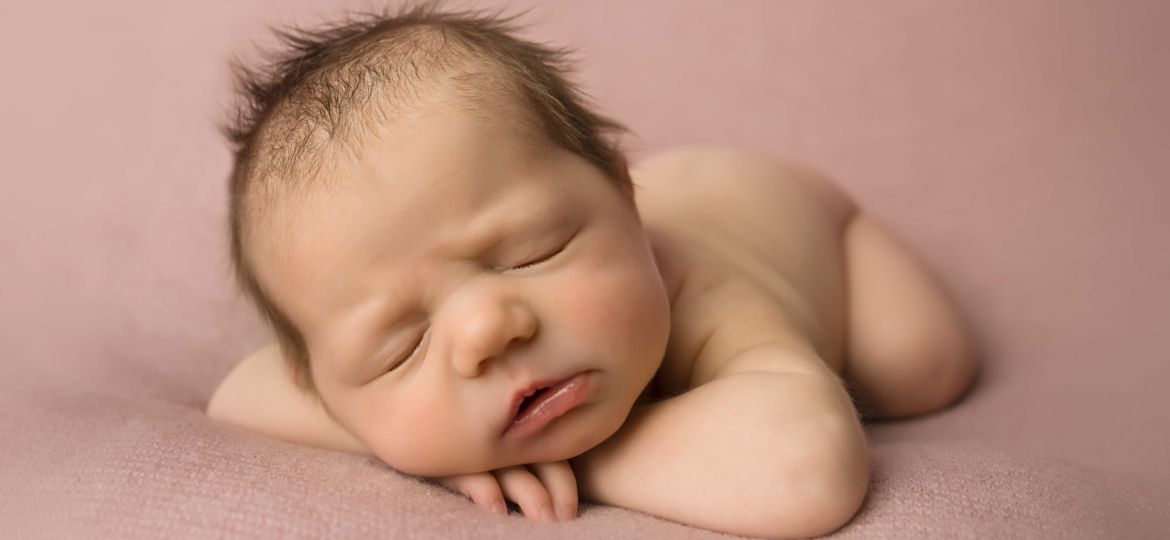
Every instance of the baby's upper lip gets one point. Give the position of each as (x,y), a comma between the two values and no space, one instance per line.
(519,395)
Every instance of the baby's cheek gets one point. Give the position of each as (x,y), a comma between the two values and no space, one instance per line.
(612,305)
(587,302)
(412,438)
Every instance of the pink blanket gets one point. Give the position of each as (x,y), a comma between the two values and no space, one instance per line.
(1019,148)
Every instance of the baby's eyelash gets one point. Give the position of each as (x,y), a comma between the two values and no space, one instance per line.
(413,351)
(540,260)
(547,257)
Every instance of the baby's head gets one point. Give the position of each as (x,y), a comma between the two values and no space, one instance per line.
(431,220)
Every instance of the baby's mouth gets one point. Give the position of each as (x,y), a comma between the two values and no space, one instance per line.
(529,400)
(546,401)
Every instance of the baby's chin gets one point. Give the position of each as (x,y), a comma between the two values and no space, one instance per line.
(567,447)
(560,451)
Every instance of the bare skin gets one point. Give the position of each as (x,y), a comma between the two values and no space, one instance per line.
(771,270)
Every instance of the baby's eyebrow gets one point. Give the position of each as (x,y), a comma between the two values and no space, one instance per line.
(520,216)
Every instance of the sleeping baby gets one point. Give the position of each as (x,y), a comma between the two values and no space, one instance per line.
(468,282)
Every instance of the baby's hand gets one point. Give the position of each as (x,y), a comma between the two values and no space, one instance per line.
(538,488)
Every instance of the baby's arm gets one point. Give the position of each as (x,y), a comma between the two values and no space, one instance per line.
(769,446)
(258,395)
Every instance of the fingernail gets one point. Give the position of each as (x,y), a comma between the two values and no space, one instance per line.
(500,509)
(546,512)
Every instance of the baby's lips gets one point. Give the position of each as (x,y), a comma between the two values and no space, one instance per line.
(518,397)
(559,398)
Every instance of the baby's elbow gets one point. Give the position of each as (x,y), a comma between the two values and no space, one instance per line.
(840,494)
(825,487)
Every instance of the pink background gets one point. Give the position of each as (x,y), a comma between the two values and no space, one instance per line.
(1019,147)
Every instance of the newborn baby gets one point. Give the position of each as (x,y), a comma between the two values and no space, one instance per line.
(467,282)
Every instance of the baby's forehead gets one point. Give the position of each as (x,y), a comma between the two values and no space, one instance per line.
(427,172)
(348,217)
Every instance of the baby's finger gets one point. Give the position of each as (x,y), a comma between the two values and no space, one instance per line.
(520,485)
(482,488)
(558,478)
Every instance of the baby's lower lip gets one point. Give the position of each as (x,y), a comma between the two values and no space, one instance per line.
(563,397)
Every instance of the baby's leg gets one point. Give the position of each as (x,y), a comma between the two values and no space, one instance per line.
(908,352)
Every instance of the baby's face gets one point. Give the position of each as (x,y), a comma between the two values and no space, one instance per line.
(454,265)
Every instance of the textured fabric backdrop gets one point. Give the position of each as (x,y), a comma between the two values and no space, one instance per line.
(1018,147)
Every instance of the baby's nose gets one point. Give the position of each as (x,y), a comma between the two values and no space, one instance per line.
(489,331)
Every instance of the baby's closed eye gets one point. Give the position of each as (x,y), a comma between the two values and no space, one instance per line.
(545,257)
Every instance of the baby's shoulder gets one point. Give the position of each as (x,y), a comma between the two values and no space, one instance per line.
(719,308)
(733,187)
(743,230)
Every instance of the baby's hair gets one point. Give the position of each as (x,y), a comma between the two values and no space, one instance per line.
(331,85)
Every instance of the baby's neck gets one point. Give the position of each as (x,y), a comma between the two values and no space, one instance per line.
(667,258)
(649,395)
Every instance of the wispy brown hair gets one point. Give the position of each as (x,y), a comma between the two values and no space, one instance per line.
(328,86)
